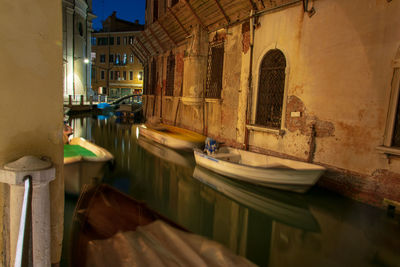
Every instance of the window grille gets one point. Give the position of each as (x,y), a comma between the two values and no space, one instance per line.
(170,75)
(215,69)
(153,79)
(271,89)
(396,132)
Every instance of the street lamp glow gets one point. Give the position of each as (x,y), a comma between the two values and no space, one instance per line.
(86,61)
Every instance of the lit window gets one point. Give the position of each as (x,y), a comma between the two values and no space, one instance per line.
(125,40)
(140,76)
(131,58)
(117,59)
(130,39)
(124,59)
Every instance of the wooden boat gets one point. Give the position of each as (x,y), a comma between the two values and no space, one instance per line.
(285,207)
(261,169)
(113,229)
(84,162)
(163,152)
(171,136)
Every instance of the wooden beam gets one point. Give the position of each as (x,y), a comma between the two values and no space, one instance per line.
(166,32)
(137,53)
(253,5)
(143,46)
(155,37)
(148,40)
(195,14)
(223,11)
(180,24)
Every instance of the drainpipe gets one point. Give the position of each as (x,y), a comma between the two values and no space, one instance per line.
(249,94)
(40,172)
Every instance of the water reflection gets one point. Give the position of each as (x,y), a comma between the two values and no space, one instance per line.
(269,227)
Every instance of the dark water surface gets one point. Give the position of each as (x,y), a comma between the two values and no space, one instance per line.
(269,227)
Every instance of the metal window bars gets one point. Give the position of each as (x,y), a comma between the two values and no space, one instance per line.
(170,75)
(271,90)
(215,69)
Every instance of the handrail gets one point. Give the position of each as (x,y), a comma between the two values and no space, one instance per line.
(23,255)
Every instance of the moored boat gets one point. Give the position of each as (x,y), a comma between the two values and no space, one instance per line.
(171,136)
(163,152)
(83,163)
(285,207)
(261,169)
(113,229)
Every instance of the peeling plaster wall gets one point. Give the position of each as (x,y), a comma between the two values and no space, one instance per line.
(31,104)
(339,77)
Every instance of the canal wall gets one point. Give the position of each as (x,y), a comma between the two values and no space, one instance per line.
(341,82)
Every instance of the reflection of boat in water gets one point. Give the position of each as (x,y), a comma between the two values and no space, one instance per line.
(261,169)
(171,136)
(285,207)
(113,229)
(163,152)
(83,162)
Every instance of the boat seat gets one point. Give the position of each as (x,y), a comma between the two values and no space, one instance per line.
(231,156)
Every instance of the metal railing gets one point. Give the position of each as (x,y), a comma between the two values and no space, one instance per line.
(23,256)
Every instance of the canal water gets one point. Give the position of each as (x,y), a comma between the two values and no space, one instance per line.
(268,227)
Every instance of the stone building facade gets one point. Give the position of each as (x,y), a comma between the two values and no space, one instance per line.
(116,71)
(77,23)
(316,81)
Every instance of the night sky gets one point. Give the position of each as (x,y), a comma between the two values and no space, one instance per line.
(130,10)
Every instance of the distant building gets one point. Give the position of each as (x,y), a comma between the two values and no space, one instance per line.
(77,28)
(116,71)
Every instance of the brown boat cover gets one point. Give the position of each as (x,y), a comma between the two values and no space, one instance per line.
(159,244)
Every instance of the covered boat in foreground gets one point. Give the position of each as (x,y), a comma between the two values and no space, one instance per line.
(84,162)
(261,169)
(171,136)
(113,229)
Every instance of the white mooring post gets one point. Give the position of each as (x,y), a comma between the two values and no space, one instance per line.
(14,174)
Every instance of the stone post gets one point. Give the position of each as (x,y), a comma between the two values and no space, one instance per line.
(42,173)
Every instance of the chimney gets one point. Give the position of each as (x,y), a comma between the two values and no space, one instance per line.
(137,21)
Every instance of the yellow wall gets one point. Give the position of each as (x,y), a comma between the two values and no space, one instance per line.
(31,110)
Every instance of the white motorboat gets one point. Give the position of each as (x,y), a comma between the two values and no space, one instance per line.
(285,207)
(261,169)
(84,162)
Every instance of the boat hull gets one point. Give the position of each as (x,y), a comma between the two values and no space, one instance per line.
(173,137)
(82,170)
(277,176)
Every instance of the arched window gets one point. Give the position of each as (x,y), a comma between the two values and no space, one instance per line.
(170,75)
(271,86)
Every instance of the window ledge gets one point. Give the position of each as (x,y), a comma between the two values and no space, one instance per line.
(213,100)
(265,130)
(388,150)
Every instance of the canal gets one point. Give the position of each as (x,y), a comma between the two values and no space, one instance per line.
(268,227)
